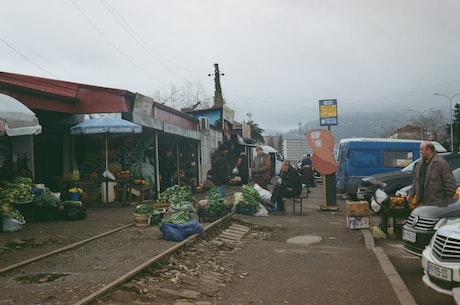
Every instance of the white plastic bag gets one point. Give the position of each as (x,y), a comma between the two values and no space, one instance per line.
(235,171)
(12,225)
(261,211)
(108,174)
(263,193)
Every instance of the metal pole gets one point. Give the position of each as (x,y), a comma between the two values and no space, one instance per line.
(451,118)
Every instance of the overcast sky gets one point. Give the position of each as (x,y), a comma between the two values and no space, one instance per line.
(378,58)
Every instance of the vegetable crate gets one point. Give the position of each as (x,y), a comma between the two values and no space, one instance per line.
(156,218)
(141,220)
(249,210)
(204,216)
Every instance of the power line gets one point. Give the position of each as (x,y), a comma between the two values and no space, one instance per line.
(113,45)
(28,59)
(142,42)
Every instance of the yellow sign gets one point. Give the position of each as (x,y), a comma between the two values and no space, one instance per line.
(327,111)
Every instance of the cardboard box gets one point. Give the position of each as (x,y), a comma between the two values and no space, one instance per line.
(357,208)
(358,222)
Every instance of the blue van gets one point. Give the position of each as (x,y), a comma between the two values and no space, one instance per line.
(361,157)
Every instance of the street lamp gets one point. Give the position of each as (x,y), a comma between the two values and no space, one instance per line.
(422,119)
(451,118)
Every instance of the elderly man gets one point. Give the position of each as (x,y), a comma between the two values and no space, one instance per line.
(290,185)
(261,168)
(433,178)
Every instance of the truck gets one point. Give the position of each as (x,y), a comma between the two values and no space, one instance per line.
(361,157)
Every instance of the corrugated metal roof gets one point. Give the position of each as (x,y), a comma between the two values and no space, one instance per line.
(62,96)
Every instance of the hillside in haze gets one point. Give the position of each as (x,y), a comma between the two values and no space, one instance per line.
(348,127)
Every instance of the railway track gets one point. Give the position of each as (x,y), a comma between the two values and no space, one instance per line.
(81,272)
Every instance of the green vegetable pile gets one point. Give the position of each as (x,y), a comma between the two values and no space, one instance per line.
(146,209)
(19,191)
(250,196)
(9,211)
(180,217)
(215,202)
(177,196)
(46,199)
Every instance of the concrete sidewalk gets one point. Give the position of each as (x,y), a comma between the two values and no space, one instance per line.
(314,259)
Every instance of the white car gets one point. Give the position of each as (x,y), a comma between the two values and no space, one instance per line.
(441,259)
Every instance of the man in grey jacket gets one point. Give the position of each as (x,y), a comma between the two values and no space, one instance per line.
(433,178)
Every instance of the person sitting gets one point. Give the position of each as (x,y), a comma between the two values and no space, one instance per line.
(289,187)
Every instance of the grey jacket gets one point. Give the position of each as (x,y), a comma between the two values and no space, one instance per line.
(439,180)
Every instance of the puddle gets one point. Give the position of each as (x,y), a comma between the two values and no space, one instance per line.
(305,240)
(39,278)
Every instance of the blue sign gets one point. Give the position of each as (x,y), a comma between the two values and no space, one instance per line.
(328,112)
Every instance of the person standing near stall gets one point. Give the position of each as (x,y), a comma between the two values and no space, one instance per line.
(261,168)
(167,170)
(242,167)
(220,168)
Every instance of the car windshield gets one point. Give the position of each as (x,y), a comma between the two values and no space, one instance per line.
(410,167)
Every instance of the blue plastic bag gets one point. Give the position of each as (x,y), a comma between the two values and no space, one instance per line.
(180,232)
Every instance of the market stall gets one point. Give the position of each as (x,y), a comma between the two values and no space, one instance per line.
(107,125)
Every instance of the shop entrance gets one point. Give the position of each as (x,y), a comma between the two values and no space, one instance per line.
(185,155)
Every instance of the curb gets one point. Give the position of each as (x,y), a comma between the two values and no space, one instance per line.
(399,287)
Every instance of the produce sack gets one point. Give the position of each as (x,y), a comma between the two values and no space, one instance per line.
(180,232)
(12,225)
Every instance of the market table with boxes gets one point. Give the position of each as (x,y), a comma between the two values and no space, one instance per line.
(357,214)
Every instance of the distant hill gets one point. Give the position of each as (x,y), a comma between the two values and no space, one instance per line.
(348,127)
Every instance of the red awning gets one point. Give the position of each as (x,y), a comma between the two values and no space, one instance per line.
(61,96)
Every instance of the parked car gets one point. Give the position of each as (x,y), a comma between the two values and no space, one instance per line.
(391,182)
(441,259)
(423,221)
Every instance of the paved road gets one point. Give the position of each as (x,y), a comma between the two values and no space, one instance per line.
(410,269)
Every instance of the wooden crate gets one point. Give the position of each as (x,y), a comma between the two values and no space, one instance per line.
(161,205)
(357,208)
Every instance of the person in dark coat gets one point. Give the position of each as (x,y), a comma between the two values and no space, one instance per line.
(167,170)
(243,169)
(290,185)
(433,178)
(220,168)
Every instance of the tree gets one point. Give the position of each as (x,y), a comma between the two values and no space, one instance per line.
(256,132)
(189,96)
(456,126)
(432,123)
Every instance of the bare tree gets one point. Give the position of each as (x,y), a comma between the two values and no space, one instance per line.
(388,131)
(432,123)
(188,96)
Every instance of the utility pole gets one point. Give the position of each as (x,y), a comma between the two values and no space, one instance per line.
(218,98)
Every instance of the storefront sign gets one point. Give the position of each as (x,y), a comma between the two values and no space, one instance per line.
(143,104)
